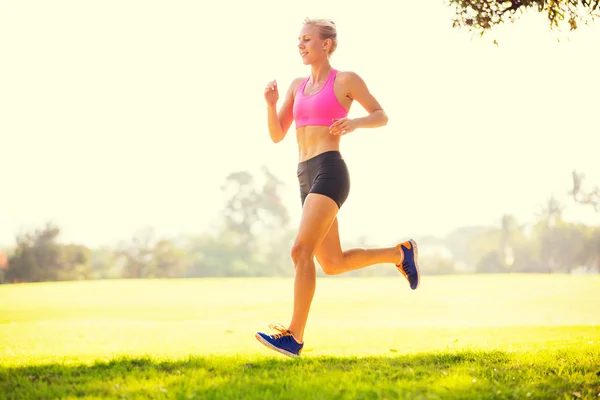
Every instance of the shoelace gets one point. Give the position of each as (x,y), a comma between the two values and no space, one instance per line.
(283,332)
(400,265)
(400,268)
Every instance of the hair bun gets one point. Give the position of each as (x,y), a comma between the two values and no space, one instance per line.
(327,30)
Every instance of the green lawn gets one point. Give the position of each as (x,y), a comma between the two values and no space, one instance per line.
(500,336)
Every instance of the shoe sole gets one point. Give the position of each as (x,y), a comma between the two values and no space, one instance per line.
(416,257)
(269,345)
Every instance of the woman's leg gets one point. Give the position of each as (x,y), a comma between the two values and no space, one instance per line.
(318,213)
(334,261)
(318,235)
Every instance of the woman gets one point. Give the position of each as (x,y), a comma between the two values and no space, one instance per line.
(319,105)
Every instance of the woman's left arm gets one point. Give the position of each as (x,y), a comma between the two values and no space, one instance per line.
(357,90)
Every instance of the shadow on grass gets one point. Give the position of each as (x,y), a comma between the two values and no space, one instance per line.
(461,374)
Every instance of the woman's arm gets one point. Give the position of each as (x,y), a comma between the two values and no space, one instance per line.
(357,89)
(279,123)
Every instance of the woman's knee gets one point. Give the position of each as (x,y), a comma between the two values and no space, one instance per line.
(301,252)
(331,265)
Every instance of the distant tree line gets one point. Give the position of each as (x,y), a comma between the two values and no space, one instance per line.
(254,238)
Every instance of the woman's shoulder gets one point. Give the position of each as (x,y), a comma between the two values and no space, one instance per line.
(348,76)
(296,82)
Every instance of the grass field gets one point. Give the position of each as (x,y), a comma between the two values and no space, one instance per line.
(475,337)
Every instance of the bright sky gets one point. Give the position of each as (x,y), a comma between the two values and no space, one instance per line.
(115,116)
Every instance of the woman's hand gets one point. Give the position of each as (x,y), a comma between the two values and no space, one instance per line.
(343,126)
(271,93)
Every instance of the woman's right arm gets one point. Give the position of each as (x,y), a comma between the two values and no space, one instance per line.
(279,123)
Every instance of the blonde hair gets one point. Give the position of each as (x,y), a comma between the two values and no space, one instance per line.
(327,30)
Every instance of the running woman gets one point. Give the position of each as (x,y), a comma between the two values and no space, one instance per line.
(319,105)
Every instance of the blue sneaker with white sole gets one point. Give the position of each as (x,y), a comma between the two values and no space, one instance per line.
(283,342)
(409,265)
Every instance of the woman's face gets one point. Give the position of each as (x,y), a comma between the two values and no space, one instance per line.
(311,47)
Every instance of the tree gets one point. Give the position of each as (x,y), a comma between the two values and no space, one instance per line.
(39,258)
(103,263)
(256,225)
(168,261)
(75,261)
(136,255)
(252,211)
(241,211)
(551,213)
(216,255)
(482,15)
(582,196)
(491,263)
(144,257)
(511,232)
(592,250)
(564,247)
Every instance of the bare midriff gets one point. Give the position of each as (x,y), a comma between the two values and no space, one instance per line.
(314,140)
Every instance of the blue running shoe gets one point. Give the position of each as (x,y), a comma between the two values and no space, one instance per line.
(282,342)
(409,266)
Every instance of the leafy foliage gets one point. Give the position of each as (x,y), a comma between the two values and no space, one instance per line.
(38,258)
(483,15)
(582,196)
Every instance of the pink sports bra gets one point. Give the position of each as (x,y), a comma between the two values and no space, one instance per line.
(320,108)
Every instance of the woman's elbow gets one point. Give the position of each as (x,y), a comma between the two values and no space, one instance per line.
(278,138)
(384,118)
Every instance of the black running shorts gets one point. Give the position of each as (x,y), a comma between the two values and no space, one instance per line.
(325,174)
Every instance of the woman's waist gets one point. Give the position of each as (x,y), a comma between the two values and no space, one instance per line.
(315,140)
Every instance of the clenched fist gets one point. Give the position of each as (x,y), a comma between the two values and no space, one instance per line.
(271,93)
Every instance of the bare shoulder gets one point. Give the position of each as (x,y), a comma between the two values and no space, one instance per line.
(352,85)
(349,77)
(296,83)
